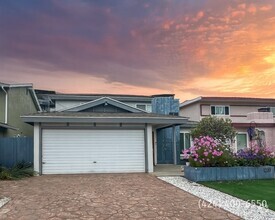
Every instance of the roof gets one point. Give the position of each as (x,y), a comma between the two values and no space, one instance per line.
(30,88)
(15,85)
(190,124)
(103,100)
(6,126)
(242,100)
(90,97)
(93,117)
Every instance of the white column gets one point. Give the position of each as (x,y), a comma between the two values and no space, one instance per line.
(149,144)
(36,147)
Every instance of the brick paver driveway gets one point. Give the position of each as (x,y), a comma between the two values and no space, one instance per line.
(101,196)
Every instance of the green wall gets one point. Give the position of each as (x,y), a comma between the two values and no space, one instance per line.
(20,102)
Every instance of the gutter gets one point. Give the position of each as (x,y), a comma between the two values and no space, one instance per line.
(36,102)
(6,105)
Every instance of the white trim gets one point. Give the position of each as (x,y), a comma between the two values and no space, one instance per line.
(36,100)
(191,139)
(36,148)
(229,110)
(21,85)
(16,85)
(188,102)
(150,164)
(6,105)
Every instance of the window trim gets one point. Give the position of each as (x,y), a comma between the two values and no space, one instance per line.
(220,106)
(191,139)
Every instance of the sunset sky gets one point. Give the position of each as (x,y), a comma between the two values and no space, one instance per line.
(187,47)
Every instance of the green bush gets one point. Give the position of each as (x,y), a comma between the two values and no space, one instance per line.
(19,171)
(217,128)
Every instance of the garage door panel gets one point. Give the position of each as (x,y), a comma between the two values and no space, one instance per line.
(92,151)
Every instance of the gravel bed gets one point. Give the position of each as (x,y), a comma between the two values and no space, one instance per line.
(213,198)
(3,201)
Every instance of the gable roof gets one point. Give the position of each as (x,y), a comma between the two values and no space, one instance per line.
(100,101)
(242,100)
(29,86)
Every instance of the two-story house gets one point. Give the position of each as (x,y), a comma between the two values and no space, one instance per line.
(104,133)
(252,118)
(16,100)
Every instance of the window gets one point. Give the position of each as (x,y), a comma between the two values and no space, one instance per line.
(272,109)
(145,107)
(141,106)
(185,141)
(241,141)
(219,110)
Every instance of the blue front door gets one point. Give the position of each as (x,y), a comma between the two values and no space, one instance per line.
(165,146)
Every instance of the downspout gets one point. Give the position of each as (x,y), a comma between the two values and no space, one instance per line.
(6,105)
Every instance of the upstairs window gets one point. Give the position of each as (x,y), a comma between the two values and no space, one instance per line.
(141,106)
(145,107)
(272,109)
(219,110)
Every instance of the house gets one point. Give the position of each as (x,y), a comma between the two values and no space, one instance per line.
(104,133)
(253,118)
(16,100)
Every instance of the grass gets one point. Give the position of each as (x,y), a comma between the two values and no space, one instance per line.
(248,190)
(19,171)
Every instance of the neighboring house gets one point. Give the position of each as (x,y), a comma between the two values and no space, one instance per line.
(103,133)
(247,114)
(16,100)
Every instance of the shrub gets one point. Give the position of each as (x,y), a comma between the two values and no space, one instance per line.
(218,128)
(255,156)
(18,171)
(208,152)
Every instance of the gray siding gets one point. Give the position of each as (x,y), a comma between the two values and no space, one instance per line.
(105,108)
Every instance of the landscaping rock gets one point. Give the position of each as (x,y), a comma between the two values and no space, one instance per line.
(3,201)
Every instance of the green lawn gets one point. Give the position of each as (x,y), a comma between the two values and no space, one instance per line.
(247,190)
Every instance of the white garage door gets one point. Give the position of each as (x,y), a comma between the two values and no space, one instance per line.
(92,151)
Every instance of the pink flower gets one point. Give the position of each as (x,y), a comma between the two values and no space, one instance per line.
(205,153)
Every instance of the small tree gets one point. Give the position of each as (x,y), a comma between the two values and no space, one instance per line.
(218,128)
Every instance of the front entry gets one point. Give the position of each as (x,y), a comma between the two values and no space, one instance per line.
(165,150)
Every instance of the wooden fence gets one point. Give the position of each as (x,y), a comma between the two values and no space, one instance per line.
(15,149)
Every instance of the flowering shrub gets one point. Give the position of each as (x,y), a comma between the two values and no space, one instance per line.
(208,152)
(255,156)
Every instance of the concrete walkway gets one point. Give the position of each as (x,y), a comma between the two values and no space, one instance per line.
(101,196)
(168,170)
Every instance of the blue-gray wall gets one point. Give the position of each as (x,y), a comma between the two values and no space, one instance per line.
(14,150)
(165,151)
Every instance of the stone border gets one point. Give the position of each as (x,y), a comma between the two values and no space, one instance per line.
(213,198)
(3,201)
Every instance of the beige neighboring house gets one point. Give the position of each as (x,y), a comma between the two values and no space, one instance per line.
(253,118)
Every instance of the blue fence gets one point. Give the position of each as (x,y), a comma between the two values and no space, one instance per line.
(16,149)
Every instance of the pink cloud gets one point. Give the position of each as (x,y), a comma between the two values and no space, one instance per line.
(238,14)
(266,8)
(252,9)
